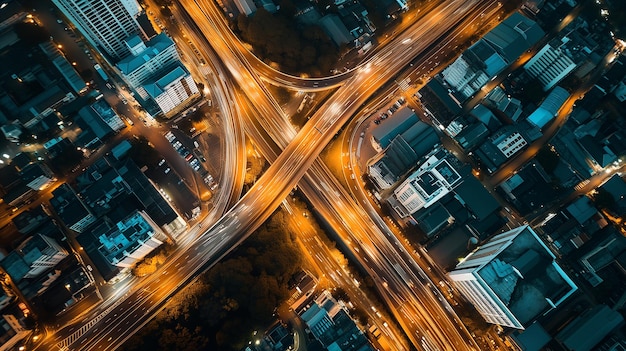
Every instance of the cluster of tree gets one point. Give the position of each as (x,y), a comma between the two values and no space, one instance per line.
(279,38)
(221,309)
(154,260)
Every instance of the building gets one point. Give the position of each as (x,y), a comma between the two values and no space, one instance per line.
(589,328)
(510,144)
(65,68)
(501,146)
(11,13)
(329,322)
(172,89)
(245,7)
(513,36)
(27,221)
(41,253)
(434,178)
(71,209)
(97,122)
(335,29)
(147,58)
(470,72)
(491,54)
(402,153)
(512,279)
(37,176)
(552,63)
(500,100)
(128,240)
(549,108)
(395,125)
(115,191)
(104,23)
(11,332)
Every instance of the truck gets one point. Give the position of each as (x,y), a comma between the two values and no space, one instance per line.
(101,72)
(375,331)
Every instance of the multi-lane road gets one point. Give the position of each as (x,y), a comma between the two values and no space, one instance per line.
(416,303)
(335,107)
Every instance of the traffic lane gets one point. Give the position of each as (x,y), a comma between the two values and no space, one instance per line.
(287,189)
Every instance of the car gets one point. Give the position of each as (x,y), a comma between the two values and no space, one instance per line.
(188,157)
(59,21)
(183,152)
(177,144)
(161,162)
(167,170)
(170,136)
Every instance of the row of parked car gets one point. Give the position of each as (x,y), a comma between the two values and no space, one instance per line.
(401,101)
(183,151)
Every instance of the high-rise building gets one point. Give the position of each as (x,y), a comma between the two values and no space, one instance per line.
(433,179)
(147,59)
(42,253)
(172,89)
(512,279)
(105,23)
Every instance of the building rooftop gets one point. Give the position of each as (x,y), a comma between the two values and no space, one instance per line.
(588,329)
(67,205)
(582,209)
(523,274)
(476,197)
(335,29)
(393,126)
(534,338)
(514,35)
(124,238)
(155,46)
(157,87)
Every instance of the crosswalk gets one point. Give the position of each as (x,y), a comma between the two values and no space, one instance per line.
(64,344)
(405,84)
(581,185)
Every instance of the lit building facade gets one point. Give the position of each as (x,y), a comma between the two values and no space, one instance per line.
(105,23)
(551,64)
(130,239)
(512,279)
(147,59)
(41,253)
(434,179)
(11,332)
(510,144)
(172,89)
